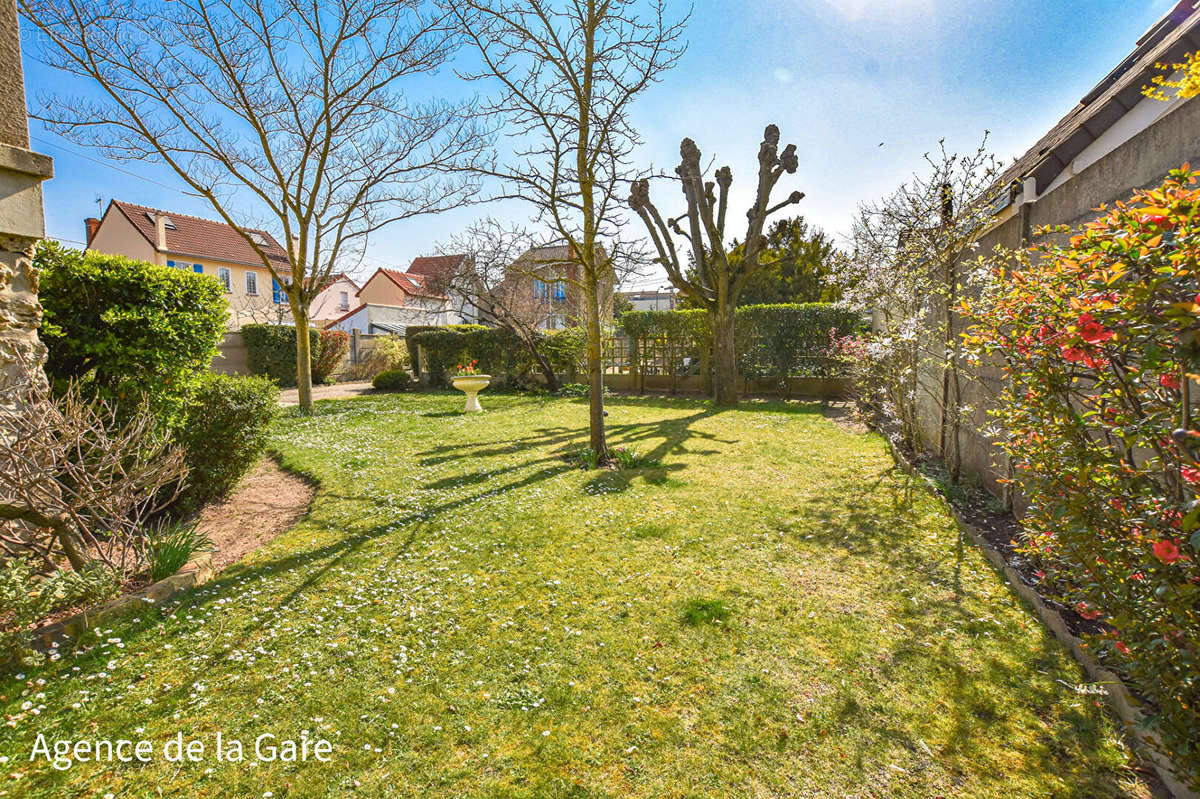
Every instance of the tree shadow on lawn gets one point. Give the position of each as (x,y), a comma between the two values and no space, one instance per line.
(977,698)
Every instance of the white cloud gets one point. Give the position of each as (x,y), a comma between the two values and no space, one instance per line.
(782,75)
(857,10)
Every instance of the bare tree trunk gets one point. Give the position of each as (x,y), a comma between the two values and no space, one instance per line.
(597,439)
(303,358)
(724,359)
(544,365)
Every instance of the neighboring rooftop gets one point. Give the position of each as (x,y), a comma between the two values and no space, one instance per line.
(409,283)
(436,266)
(201,238)
(1167,42)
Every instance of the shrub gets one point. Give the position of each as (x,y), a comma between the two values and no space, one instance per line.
(772,340)
(332,346)
(26,597)
(392,380)
(498,351)
(124,329)
(271,351)
(224,435)
(567,350)
(1098,340)
(171,544)
(388,352)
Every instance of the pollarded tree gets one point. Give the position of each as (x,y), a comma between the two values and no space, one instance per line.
(719,274)
(567,73)
(296,108)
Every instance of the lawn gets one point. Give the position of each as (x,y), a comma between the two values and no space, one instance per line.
(772,611)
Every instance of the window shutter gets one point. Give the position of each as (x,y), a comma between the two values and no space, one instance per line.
(171,264)
(198,268)
(275,293)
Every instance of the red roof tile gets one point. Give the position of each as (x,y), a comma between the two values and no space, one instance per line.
(202,238)
(437,266)
(409,284)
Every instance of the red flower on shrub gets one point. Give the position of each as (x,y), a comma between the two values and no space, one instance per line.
(1121,647)
(1073,354)
(1154,220)
(1167,551)
(1191,474)
(1092,331)
(1086,610)
(1169,381)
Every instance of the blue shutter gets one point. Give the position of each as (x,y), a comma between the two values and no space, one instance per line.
(275,293)
(171,264)
(198,268)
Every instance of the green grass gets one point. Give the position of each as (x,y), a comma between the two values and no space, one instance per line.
(466,613)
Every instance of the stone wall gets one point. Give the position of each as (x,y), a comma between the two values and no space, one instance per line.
(21,220)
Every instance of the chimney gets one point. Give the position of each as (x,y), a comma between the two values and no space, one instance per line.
(91,225)
(160,232)
(294,249)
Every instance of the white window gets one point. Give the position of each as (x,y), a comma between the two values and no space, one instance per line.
(344,300)
(251,283)
(226,278)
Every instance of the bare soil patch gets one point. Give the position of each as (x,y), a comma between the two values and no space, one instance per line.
(265,503)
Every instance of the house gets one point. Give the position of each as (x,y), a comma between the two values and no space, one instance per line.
(334,301)
(1114,140)
(441,273)
(390,301)
(650,300)
(203,246)
(547,278)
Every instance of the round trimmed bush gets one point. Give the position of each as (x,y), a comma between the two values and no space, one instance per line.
(392,380)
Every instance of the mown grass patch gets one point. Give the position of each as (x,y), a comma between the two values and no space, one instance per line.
(465,613)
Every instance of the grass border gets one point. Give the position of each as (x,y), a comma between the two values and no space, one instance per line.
(1117,695)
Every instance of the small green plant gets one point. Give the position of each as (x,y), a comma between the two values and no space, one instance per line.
(705,611)
(26,597)
(392,380)
(171,545)
(627,458)
(572,390)
(587,457)
(650,530)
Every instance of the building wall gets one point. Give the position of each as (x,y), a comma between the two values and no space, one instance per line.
(328,306)
(1140,162)
(117,236)
(380,290)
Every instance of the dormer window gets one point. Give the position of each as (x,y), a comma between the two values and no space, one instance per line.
(167,223)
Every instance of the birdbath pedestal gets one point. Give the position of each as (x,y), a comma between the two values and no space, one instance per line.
(471,385)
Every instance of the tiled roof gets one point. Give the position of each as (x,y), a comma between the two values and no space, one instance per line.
(201,238)
(1177,33)
(436,266)
(409,284)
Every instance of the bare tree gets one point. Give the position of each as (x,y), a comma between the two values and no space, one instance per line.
(906,265)
(68,467)
(489,280)
(567,73)
(716,279)
(295,106)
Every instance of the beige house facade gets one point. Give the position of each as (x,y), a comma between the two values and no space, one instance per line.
(203,246)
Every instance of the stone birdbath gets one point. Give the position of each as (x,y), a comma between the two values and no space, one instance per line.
(471,385)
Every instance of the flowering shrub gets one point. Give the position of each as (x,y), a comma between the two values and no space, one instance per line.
(468,368)
(1099,338)
(327,357)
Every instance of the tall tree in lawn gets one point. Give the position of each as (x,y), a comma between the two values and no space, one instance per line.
(567,73)
(296,109)
(718,274)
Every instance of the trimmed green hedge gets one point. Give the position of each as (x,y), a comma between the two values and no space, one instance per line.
(499,352)
(125,329)
(779,340)
(271,351)
(224,435)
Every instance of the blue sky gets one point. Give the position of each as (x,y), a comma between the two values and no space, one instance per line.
(838,76)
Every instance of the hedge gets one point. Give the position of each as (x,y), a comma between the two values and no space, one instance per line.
(271,351)
(125,329)
(224,434)
(780,340)
(392,380)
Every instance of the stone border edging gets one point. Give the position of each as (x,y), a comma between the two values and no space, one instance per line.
(1116,693)
(195,572)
